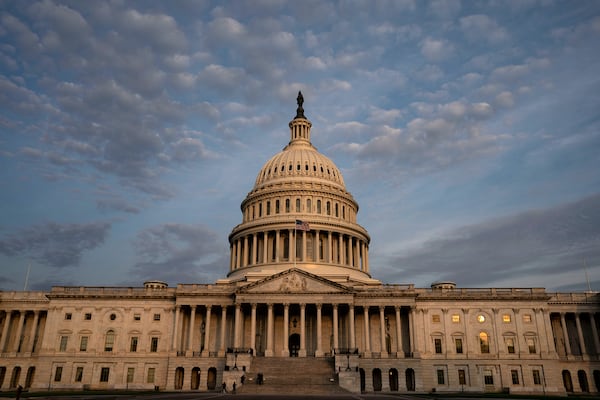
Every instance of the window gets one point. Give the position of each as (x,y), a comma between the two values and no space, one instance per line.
(506,318)
(268,208)
(130,372)
(336,209)
(537,379)
(440,376)
(87,316)
(154,345)
(531,345)
(109,340)
(137,317)
(297,205)
(58,374)
(438,346)
(68,316)
(156,317)
(63,343)
(113,317)
(458,344)
(276,206)
(484,343)
(488,377)
(527,318)
(308,205)
(287,205)
(455,318)
(133,344)
(510,345)
(104,374)
(79,374)
(318,206)
(514,374)
(150,378)
(435,318)
(462,378)
(481,318)
(83,343)
(328,207)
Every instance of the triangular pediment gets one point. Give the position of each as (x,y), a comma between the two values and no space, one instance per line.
(294,281)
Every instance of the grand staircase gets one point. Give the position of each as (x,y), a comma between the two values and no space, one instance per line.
(293,375)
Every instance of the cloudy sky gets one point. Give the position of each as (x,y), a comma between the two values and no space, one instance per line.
(469,133)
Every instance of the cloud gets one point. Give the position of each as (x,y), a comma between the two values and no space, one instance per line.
(55,245)
(436,50)
(481,27)
(178,253)
(530,244)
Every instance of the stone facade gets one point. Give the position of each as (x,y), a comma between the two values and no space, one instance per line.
(299,286)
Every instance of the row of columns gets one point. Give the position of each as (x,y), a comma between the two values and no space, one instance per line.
(584,350)
(19,335)
(270,351)
(351,251)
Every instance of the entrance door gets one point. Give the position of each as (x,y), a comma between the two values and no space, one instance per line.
(294,344)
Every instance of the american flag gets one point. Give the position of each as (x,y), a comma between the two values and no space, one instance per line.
(302,226)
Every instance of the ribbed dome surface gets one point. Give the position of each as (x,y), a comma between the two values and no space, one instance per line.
(299,160)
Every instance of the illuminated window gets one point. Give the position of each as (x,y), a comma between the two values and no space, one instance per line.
(481,318)
(459,347)
(506,318)
(527,318)
(455,318)
(435,318)
(484,343)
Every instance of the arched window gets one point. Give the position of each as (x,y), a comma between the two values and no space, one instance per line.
(268,208)
(337,214)
(484,342)
(308,205)
(297,205)
(276,206)
(109,340)
(287,205)
(328,206)
(318,206)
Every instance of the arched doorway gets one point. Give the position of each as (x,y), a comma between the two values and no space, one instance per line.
(596,380)
(583,383)
(2,375)
(362,380)
(410,379)
(566,375)
(14,379)
(377,380)
(179,378)
(294,344)
(195,378)
(394,380)
(29,377)
(211,379)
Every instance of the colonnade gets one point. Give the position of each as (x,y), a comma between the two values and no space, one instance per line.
(312,246)
(569,343)
(342,328)
(13,343)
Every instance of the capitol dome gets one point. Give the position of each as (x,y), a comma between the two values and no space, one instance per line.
(300,215)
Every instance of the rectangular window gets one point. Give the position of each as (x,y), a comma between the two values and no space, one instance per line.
(154,345)
(506,318)
(63,343)
(527,318)
(537,379)
(462,377)
(438,346)
(68,316)
(458,343)
(488,377)
(157,317)
(130,372)
(510,345)
(133,344)
(137,317)
(268,208)
(440,376)
(276,206)
(455,318)
(150,378)
(83,343)
(104,374)
(79,374)
(531,345)
(58,374)
(87,316)
(435,318)
(514,374)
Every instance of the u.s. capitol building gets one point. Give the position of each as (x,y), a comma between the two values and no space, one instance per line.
(299,295)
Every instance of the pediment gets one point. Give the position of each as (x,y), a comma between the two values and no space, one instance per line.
(294,281)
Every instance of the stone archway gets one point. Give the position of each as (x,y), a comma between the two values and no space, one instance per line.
(566,375)
(393,379)
(211,379)
(376,380)
(410,379)
(195,384)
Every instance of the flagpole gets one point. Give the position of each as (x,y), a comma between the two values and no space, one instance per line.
(295,242)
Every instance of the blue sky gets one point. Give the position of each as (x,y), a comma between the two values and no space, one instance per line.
(469,133)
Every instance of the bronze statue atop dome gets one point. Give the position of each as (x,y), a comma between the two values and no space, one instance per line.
(300,110)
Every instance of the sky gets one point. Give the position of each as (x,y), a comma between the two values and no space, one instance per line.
(468,132)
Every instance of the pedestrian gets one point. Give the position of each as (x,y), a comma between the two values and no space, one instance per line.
(233,387)
(19,391)
(224,387)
